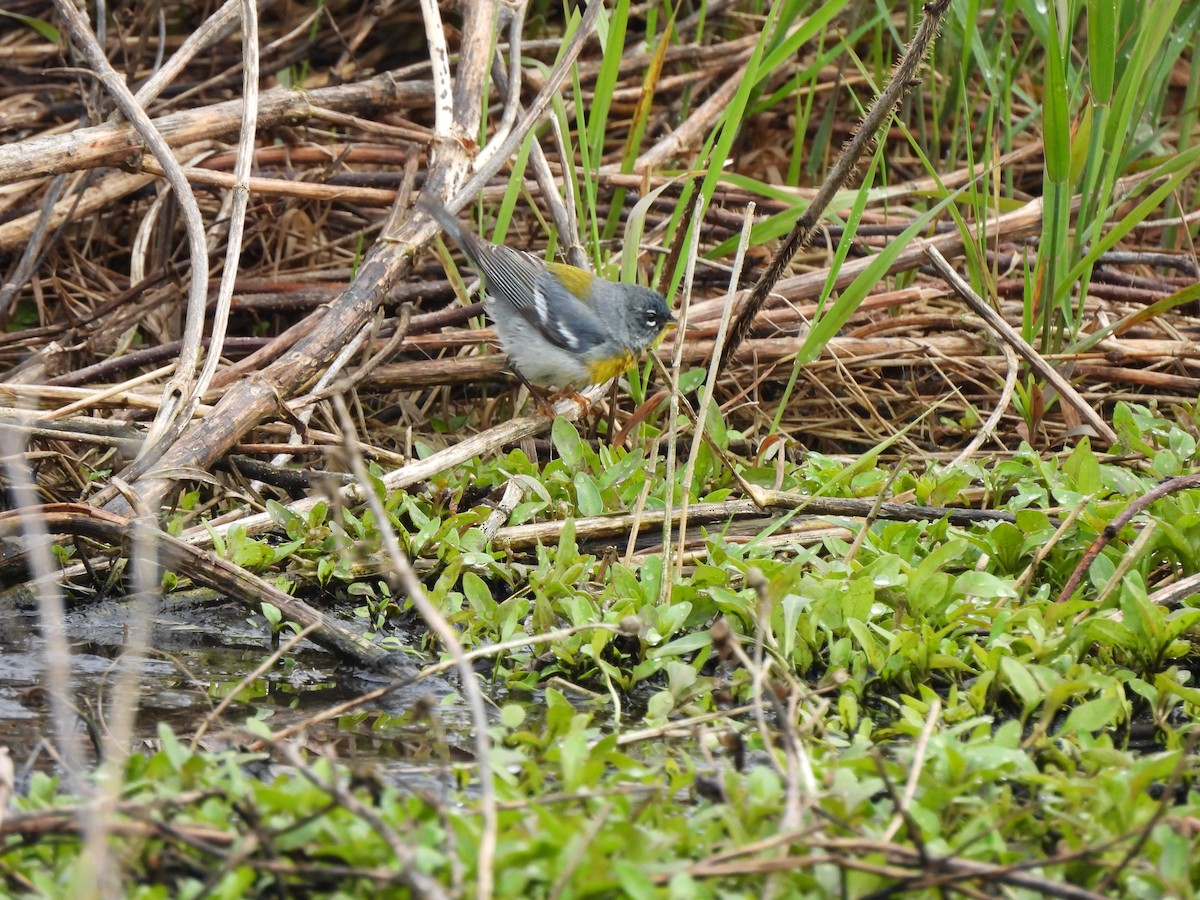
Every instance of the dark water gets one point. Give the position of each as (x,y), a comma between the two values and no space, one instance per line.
(200,652)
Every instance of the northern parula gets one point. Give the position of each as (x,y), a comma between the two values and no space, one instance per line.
(561,326)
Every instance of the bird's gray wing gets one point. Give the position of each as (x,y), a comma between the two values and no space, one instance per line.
(564,319)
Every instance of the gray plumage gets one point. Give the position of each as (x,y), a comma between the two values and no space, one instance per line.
(559,325)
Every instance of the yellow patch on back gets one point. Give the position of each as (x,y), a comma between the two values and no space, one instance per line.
(574,279)
(604,369)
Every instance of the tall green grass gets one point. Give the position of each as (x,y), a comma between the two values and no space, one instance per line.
(1088,79)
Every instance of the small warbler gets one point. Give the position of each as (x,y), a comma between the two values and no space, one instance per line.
(561,326)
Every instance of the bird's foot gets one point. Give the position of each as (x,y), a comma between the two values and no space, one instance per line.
(571,394)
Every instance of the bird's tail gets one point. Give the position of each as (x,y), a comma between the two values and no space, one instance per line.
(508,273)
(468,242)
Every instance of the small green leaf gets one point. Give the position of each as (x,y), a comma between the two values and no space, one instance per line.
(984,584)
(1093,715)
(219,546)
(280,514)
(1022,682)
(567,443)
(688,644)
(512,715)
(258,727)
(1084,469)
(587,495)
(635,882)
(573,754)
(479,596)
(660,706)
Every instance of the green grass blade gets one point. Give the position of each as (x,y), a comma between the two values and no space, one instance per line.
(829,324)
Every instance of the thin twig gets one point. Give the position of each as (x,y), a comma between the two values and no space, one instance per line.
(237,215)
(423,886)
(1010,336)
(989,427)
(51,616)
(902,81)
(512,85)
(689,274)
(449,639)
(1113,528)
(710,383)
(920,747)
(168,421)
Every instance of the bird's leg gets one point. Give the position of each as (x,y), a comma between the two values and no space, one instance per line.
(547,404)
(547,401)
